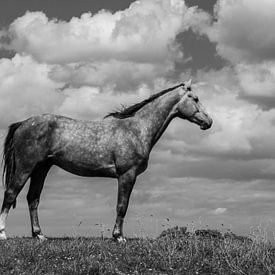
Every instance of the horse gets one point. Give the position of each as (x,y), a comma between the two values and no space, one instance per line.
(117,146)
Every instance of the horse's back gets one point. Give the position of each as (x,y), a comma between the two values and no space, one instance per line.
(54,133)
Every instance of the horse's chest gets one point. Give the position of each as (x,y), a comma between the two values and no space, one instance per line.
(128,155)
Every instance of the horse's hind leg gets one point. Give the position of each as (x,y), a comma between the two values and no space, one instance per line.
(14,188)
(36,185)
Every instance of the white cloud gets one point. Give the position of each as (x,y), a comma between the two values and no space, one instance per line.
(258,82)
(119,50)
(25,89)
(219,211)
(145,32)
(242,96)
(244,35)
(90,102)
(244,30)
(241,129)
(118,75)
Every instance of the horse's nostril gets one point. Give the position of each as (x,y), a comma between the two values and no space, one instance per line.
(210,122)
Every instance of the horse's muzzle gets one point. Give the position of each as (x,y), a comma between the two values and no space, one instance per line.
(206,124)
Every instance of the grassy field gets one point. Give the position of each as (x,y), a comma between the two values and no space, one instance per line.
(175,251)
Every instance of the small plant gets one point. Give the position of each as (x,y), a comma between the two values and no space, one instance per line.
(175,232)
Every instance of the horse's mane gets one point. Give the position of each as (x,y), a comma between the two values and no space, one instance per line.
(131,110)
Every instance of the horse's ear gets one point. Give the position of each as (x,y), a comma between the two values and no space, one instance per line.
(188,83)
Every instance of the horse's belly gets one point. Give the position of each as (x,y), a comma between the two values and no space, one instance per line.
(87,168)
(87,162)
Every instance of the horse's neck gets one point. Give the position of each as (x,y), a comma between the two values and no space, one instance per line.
(156,116)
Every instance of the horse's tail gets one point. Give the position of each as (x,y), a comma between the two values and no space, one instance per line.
(8,156)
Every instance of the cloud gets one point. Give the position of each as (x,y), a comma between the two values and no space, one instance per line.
(93,103)
(244,30)
(143,33)
(240,96)
(241,129)
(25,89)
(257,82)
(28,88)
(219,211)
(118,75)
(120,50)
(243,33)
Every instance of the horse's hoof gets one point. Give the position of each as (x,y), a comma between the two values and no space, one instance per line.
(3,235)
(41,237)
(121,239)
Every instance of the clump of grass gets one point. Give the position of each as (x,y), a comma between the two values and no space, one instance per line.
(175,251)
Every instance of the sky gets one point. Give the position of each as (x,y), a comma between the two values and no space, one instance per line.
(85,59)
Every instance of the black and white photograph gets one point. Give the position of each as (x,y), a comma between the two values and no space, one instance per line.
(137,137)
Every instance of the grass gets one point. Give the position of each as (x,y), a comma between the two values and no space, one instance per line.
(175,251)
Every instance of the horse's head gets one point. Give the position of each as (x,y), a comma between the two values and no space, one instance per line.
(190,108)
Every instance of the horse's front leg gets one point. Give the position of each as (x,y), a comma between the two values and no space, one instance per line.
(125,187)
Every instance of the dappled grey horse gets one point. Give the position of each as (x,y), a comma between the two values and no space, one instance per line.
(117,146)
